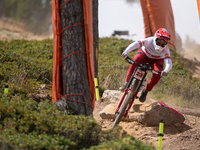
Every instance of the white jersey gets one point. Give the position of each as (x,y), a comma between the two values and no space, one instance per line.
(148,47)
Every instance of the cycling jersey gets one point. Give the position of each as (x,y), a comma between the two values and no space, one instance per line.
(148,48)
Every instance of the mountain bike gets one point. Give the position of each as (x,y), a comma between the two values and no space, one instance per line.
(135,85)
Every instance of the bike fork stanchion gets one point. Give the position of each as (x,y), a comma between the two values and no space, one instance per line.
(121,101)
(129,106)
(160,135)
(96,88)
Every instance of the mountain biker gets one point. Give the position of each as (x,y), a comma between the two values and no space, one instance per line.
(153,50)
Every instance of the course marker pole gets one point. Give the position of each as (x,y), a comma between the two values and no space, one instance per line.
(160,135)
(96,88)
(6,89)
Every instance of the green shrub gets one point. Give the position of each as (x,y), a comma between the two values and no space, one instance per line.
(21,60)
(128,143)
(28,124)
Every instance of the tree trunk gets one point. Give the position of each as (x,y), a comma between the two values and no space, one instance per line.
(1,7)
(74,68)
(95,34)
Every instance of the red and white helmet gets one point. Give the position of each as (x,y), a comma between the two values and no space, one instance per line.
(162,33)
(162,37)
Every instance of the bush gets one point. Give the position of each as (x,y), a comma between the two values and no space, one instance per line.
(27,124)
(21,60)
(128,143)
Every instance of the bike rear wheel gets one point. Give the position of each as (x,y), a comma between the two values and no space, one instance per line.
(128,99)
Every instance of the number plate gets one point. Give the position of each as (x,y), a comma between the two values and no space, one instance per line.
(139,74)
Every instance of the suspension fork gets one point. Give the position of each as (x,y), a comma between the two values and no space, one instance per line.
(122,99)
(125,92)
(130,104)
(135,92)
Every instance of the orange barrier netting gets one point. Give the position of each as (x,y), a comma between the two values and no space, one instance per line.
(56,89)
(198,6)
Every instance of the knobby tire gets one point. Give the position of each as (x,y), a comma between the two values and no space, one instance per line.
(123,108)
(125,104)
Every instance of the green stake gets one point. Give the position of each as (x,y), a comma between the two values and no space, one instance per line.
(160,135)
(6,89)
(96,88)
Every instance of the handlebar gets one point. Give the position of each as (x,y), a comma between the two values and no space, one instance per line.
(131,61)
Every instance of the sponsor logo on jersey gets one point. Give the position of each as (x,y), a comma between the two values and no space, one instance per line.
(166,54)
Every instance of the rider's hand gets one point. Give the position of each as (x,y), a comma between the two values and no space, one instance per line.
(163,73)
(124,54)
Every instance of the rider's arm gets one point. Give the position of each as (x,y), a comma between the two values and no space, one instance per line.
(132,47)
(168,65)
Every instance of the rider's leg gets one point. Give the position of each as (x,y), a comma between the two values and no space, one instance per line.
(158,66)
(140,57)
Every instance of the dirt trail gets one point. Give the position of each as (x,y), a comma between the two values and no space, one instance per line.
(176,137)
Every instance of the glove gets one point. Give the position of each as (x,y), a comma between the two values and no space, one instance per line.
(163,73)
(124,54)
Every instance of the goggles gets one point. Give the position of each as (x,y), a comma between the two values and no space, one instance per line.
(161,42)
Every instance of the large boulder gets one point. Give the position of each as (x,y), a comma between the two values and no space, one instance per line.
(153,113)
(146,113)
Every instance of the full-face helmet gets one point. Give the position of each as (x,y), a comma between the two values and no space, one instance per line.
(161,39)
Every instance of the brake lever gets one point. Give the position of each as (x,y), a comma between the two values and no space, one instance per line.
(157,72)
(130,61)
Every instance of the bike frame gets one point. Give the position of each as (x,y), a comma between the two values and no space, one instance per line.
(130,94)
(134,92)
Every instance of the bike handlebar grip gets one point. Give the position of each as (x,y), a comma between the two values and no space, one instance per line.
(159,72)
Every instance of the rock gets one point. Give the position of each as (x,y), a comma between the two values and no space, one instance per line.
(160,111)
(146,113)
(112,95)
(108,112)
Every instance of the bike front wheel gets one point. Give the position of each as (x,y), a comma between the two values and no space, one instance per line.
(128,99)
(123,108)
